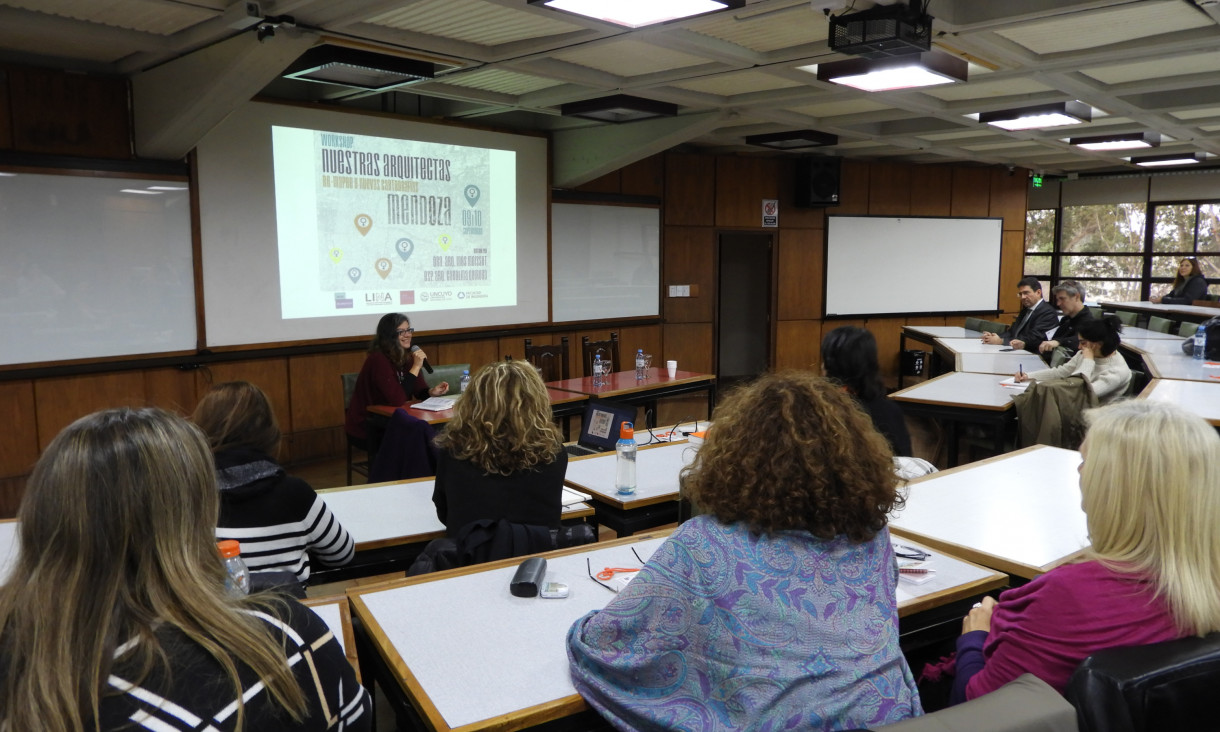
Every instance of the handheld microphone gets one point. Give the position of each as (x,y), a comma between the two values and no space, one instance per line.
(427,366)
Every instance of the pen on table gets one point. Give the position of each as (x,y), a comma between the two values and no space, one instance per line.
(914,570)
(1021,369)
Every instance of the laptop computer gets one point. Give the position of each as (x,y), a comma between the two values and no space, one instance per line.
(599,428)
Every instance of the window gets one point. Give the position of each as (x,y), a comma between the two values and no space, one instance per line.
(1039,242)
(1102,246)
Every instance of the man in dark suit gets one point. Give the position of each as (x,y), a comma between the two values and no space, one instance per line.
(1069,296)
(1034,321)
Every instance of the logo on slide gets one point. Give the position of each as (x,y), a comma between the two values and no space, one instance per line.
(343,302)
(406,297)
(377,298)
(472,194)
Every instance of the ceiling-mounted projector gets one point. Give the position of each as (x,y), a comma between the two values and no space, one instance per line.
(881,32)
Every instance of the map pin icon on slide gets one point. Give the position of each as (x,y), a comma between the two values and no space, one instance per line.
(336,254)
(472,195)
(405,248)
(364,222)
(444,241)
(383,267)
(353,274)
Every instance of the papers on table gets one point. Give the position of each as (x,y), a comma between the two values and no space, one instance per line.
(571,497)
(1011,383)
(435,404)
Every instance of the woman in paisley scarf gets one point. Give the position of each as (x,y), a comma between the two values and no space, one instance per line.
(775,607)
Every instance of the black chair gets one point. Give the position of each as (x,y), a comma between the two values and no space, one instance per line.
(606,349)
(353,443)
(1162,686)
(551,360)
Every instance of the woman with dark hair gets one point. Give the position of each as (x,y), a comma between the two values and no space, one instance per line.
(391,375)
(1189,284)
(279,520)
(501,456)
(115,615)
(849,357)
(1098,360)
(775,607)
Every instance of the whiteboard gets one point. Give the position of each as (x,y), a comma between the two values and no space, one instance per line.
(883,265)
(94,266)
(605,262)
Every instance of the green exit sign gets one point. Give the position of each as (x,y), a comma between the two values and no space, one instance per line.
(1037,181)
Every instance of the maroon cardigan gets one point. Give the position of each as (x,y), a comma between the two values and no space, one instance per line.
(378,384)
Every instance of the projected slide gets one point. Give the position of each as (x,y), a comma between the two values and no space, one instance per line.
(374,224)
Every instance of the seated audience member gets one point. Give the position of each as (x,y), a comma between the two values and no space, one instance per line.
(1036,319)
(279,520)
(1098,360)
(1069,297)
(391,375)
(849,357)
(1148,486)
(501,456)
(116,617)
(775,608)
(1189,285)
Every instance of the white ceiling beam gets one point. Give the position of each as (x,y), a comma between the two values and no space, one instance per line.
(584,154)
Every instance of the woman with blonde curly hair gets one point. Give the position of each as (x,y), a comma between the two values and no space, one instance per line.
(501,456)
(775,608)
(116,616)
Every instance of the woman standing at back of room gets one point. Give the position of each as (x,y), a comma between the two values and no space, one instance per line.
(501,456)
(391,375)
(1188,285)
(849,357)
(116,615)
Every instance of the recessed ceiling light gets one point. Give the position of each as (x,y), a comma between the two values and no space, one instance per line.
(1128,141)
(898,72)
(1039,116)
(639,13)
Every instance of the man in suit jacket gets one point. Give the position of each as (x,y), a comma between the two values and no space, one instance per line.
(1036,318)
(1069,296)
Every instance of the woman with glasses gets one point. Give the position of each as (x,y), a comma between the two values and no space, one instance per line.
(392,373)
(775,607)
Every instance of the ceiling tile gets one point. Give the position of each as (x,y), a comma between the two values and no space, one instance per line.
(985,89)
(769,30)
(728,85)
(1160,68)
(497,80)
(842,107)
(1090,29)
(628,58)
(148,16)
(474,21)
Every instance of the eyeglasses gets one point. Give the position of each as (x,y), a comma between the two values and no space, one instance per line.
(910,552)
(404,331)
(609,572)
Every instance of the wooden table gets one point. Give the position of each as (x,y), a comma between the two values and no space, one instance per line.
(460,651)
(391,523)
(564,403)
(971,354)
(1017,513)
(335,611)
(927,334)
(622,386)
(658,486)
(961,397)
(1200,397)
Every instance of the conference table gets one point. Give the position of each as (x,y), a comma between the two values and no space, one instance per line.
(455,650)
(564,403)
(1017,513)
(1201,398)
(1165,359)
(656,500)
(927,334)
(961,397)
(392,522)
(971,354)
(623,386)
(1193,313)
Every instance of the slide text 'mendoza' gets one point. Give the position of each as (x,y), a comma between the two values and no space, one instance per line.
(419,210)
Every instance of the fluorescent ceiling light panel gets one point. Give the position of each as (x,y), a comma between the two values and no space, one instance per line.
(1158,161)
(793,140)
(899,72)
(618,108)
(1039,116)
(1129,141)
(329,64)
(639,13)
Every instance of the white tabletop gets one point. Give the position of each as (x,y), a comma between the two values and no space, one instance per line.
(332,614)
(8,547)
(943,331)
(656,472)
(1162,309)
(1019,513)
(960,389)
(1180,366)
(1132,332)
(521,660)
(1199,397)
(1163,346)
(971,354)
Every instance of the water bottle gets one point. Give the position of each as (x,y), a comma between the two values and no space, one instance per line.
(237,579)
(624,449)
(465,381)
(639,365)
(597,369)
(1200,343)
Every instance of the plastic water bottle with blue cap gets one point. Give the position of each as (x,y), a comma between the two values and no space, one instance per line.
(624,449)
(465,381)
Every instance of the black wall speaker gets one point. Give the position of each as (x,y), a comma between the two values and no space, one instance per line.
(817,182)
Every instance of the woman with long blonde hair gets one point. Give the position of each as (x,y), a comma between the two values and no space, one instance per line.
(116,615)
(501,456)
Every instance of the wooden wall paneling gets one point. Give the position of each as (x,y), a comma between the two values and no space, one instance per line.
(11,491)
(315,388)
(791,216)
(889,191)
(688,260)
(476,353)
(936,320)
(58,113)
(6,117)
(172,389)
(684,409)
(608,183)
(647,337)
(645,177)
(801,255)
(741,185)
(690,344)
(888,333)
(798,345)
(853,189)
(971,192)
(1009,196)
(62,400)
(19,442)
(931,190)
(268,374)
(690,190)
(1012,268)
(577,369)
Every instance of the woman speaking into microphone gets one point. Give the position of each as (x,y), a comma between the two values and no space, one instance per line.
(392,373)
